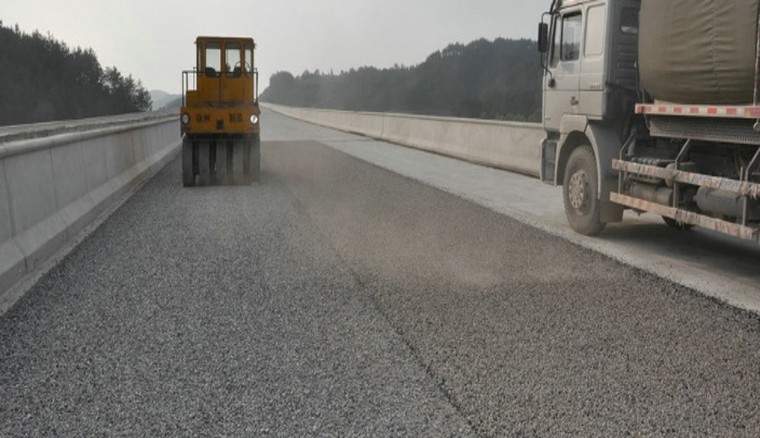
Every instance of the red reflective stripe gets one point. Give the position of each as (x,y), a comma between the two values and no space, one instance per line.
(719,111)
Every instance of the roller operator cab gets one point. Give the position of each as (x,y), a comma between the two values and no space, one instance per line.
(220,115)
(652,106)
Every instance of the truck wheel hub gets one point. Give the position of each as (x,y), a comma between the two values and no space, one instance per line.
(578,190)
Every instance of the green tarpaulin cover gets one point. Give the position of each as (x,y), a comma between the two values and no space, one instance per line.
(698,51)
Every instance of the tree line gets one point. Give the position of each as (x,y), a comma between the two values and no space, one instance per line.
(498,79)
(42,79)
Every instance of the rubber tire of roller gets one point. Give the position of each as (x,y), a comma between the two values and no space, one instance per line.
(247,179)
(188,176)
(204,163)
(256,159)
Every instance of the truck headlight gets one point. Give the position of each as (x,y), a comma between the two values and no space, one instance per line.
(254,119)
(185,119)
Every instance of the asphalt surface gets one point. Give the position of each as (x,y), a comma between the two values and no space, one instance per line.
(336,298)
(713,264)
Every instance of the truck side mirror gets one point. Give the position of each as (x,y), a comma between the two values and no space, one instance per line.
(543,37)
(543,48)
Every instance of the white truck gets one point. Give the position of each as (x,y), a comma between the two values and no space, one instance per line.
(653,105)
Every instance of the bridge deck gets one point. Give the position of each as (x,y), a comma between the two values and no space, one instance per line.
(338,297)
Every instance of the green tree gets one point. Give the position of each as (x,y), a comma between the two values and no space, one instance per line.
(42,79)
(498,79)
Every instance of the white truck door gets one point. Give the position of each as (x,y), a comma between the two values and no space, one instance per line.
(562,85)
(592,80)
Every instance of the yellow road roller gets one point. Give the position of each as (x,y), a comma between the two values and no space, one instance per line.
(220,115)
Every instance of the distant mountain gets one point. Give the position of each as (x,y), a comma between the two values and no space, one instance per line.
(174,104)
(163,100)
(156,95)
(498,79)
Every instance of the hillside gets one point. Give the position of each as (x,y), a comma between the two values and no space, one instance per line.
(174,104)
(42,79)
(498,79)
(163,100)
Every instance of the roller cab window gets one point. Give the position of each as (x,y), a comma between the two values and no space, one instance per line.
(233,67)
(213,59)
(249,60)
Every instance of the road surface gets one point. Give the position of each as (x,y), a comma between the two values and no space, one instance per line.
(339,298)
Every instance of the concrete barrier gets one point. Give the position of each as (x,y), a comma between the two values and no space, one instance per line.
(54,186)
(505,145)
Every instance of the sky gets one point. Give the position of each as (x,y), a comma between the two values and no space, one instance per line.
(154,40)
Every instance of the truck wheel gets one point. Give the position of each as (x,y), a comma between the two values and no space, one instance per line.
(672,223)
(581,194)
(188,175)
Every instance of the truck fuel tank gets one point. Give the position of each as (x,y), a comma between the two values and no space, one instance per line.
(658,194)
(724,203)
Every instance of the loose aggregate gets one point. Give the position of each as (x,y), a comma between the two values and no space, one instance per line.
(337,299)
(525,332)
(213,311)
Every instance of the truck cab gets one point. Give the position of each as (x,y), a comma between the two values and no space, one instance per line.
(589,93)
(661,116)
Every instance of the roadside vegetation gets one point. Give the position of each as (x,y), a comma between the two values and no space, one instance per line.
(498,79)
(42,79)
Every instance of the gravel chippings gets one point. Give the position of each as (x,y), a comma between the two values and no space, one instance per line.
(524,332)
(339,299)
(209,311)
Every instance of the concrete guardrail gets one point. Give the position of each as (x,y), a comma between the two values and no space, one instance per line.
(505,145)
(52,187)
